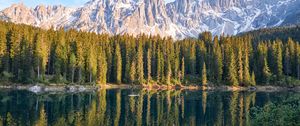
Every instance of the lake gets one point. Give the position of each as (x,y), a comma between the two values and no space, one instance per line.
(136,107)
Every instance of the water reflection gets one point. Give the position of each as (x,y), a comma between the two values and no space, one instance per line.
(116,107)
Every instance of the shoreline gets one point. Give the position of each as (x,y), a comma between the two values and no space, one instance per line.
(41,88)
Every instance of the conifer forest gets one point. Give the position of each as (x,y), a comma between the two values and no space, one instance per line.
(33,55)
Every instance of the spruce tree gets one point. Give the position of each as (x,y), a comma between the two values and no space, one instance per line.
(102,68)
(169,74)
(72,66)
(117,69)
(246,67)
(140,64)
(266,72)
(218,59)
(278,59)
(149,66)
(41,53)
(192,59)
(132,72)
(232,72)
(253,80)
(182,73)
(204,76)
(79,58)
(287,62)
(240,65)
(92,63)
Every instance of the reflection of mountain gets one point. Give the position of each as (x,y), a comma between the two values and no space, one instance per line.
(181,18)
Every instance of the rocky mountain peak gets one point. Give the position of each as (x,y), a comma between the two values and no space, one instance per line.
(179,19)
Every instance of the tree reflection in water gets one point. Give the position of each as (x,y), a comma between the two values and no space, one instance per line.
(115,107)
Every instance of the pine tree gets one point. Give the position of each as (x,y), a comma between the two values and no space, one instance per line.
(92,64)
(253,80)
(182,73)
(102,68)
(287,62)
(266,72)
(278,58)
(192,60)
(232,72)
(204,76)
(41,53)
(240,65)
(3,52)
(140,64)
(79,57)
(218,62)
(160,66)
(246,67)
(149,66)
(42,121)
(13,45)
(169,74)
(298,61)
(117,65)
(72,66)
(132,72)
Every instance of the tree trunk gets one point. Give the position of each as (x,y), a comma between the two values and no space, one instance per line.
(79,75)
(38,71)
(73,75)
(91,77)
(298,71)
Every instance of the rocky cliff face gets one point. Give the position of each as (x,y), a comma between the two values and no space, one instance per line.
(179,19)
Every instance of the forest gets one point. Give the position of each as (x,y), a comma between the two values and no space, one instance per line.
(33,55)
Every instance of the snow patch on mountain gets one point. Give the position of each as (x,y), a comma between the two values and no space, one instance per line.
(179,19)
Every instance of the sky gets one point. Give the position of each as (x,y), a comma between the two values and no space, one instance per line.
(32,3)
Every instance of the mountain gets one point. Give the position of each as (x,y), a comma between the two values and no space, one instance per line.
(179,19)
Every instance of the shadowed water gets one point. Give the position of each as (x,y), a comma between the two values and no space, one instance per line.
(133,108)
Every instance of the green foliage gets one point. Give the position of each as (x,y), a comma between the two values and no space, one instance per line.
(204,76)
(42,121)
(102,68)
(6,76)
(286,113)
(232,72)
(117,65)
(10,120)
(80,57)
(1,121)
(253,80)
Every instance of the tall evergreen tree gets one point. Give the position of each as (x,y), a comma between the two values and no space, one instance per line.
(266,72)
(232,72)
(278,58)
(246,67)
(192,59)
(287,62)
(102,67)
(169,74)
(240,65)
(140,64)
(253,80)
(204,76)
(182,73)
(149,66)
(41,52)
(117,69)
(72,63)
(218,59)
(132,72)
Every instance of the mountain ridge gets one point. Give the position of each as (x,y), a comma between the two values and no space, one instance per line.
(179,19)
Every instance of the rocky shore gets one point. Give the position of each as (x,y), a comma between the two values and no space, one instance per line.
(40,88)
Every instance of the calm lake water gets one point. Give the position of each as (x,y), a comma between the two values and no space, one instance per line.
(133,108)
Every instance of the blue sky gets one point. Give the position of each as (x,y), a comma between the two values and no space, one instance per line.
(32,3)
